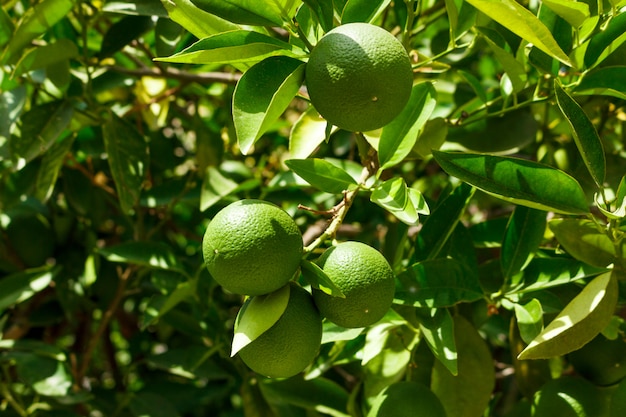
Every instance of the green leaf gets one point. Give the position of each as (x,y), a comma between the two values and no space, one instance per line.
(308,132)
(615,208)
(136,7)
(160,305)
(398,137)
(363,10)
(122,33)
(439,226)
(128,158)
(513,68)
(41,126)
(11,104)
(251,12)
(574,12)
(461,16)
(322,174)
(523,235)
(582,239)
(198,22)
(215,186)
(45,56)
(524,24)
(36,21)
(432,137)
(529,319)
(240,48)
(36,347)
(144,404)
(518,181)
(320,394)
(393,196)
(585,134)
(51,164)
(437,327)
(257,316)
(318,279)
(468,393)
(607,41)
(584,317)
(19,287)
(437,283)
(262,95)
(45,375)
(605,81)
(6,27)
(148,253)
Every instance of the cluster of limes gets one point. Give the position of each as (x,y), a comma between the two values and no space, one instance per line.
(254,248)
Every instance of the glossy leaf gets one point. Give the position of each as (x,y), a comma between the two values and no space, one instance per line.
(518,181)
(20,286)
(11,104)
(583,240)
(308,132)
(257,316)
(45,375)
(529,319)
(322,174)
(122,33)
(524,24)
(523,235)
(128,158)
(318,279)
(468,393)
(584,317)
(51,164)
(615,208)
(215,187)
(607,41)
(574,12)
(247,12)
(41,126)
(160,304)
(441,223)
(399,137)
(198,22)
(605,81)
(136,7)
(393,196)
(262,95)
(437,327)
(149,253)
(36,21)
(513,68)
(585,134)
(461,16)
(432,137)
(46,55)
(363,10)
(234,47)
(437,283)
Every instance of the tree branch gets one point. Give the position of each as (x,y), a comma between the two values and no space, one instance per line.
(202,78)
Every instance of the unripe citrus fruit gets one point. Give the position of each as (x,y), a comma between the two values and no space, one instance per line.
(291,344)
(407,399)
(568,397)
(359,77)
(252,247)
(365,278)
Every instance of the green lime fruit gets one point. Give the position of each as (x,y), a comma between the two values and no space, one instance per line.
(568,397)
(365,278)
(601,361)
(407,399)
(292,343)
(252,247)
(359,77)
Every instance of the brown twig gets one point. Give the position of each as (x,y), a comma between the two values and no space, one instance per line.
(173,73)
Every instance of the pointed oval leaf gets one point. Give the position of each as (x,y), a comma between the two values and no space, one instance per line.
(607,41)
(258,315)
(51,164)
(524,24)
(47,55)
(215,186)
(246,12)
(582,239)
(363,10)
(322,174)
(262,95)
(398,137)
(20,286)
(522,237)
(606,81)
(308,132)
(584,317)
(393,196)
(518,181)
(574,12)
(467,394)
(198,22)
(127,152)
(148,253)
(529,319)
(318,279)
(437,327)
(585,134)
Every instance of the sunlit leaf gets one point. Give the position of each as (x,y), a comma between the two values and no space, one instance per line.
(322,174)
(20,286)
(200,23)
(523,235)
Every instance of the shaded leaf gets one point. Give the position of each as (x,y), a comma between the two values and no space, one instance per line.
(393,196)
(437,327)
(19,287)
(127,153)
(47,55)
(146,403)
(322,174)
(258,315)
(308,132)
(522,237)
(518,181)
(122,33)
(582,239)
(51,164)
(606,81)
(262,95)
(607,41)
(363,10)
(215,186)
(584,317)
(45,375)
(585,135)
(149,253)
